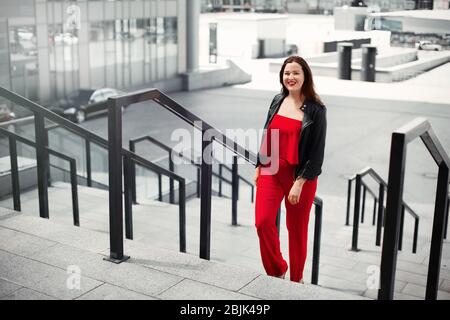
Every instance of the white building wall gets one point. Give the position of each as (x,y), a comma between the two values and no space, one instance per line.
(182,36)
(236,38)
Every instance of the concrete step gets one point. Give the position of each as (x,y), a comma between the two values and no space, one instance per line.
(156,224)
(42,259)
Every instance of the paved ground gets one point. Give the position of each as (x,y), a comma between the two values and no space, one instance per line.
(43,260)
(155,227)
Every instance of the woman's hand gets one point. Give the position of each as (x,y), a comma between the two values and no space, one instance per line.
(257,173)
(296,190)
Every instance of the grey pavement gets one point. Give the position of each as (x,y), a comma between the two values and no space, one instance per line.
(150,273)
(156,228)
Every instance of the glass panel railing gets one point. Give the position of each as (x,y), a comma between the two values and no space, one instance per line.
(147,184)
(64,141)
(17,119)
(99,164)
(26,162)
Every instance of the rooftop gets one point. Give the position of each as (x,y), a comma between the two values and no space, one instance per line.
(250,16)
(420,14)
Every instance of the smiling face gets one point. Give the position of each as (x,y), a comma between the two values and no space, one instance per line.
(293,77)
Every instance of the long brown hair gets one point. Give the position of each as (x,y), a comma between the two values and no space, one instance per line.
(308,84)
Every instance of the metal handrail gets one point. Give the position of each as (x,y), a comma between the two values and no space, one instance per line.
(383,187)
(317,237)
(13,138)
(370,171)
(380,224)
(42,164)
(366,188)
(251,184)
(419,127)
(132,146)
(209,134)
(87,146)
(240,177)
(17,121)
(116,153)
(92,137)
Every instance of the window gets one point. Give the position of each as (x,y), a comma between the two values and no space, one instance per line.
(23,61)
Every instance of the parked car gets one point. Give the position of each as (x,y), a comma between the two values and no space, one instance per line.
(83,103)
(428,45)
(6,114)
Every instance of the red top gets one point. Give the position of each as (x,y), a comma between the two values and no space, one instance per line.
(289,131)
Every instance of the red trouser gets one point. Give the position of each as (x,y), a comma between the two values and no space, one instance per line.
(270,191)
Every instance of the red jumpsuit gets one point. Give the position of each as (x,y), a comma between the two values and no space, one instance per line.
(271,188)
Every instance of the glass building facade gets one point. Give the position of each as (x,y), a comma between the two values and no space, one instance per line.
(57,46)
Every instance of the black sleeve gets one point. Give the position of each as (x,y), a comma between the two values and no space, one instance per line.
(313,167)
(258,162)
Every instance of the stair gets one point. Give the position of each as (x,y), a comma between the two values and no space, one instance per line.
(38,256)
(156,226)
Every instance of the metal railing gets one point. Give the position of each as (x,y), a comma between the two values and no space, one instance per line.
(318,209)
(116,223)
(383,186)
(87,147)
(124,160)
(420,127)
(13,139)
(235,176)
(209,134)
(241,178)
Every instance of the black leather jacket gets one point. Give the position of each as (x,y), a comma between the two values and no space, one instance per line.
(311,146)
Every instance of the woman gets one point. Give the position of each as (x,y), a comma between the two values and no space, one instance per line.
(297,117)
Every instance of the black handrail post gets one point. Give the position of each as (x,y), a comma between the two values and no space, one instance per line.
(127,181)
(253,194)
(171,184)
(402,222)
(42,164)
(205,200)
(235,190)
(74,187)
(356,214)
(380,216)
(198,182)
(416,232)
(437,237)
(363,204)
(392,219)
(374,210)
(88,162)
(446,219)
(14,172)
(220,180)
(182,213)
(133,174)
(235,148)
(316,249)
(277,220)
(115,182)
(47,155)
(349,195)
(160,187)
